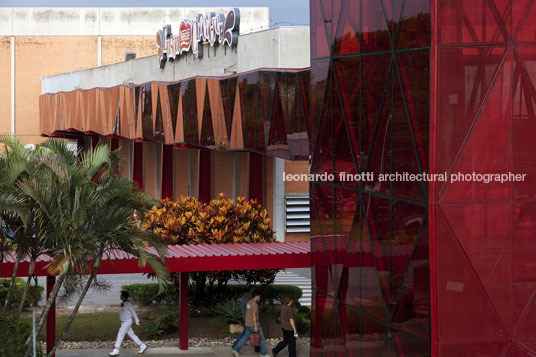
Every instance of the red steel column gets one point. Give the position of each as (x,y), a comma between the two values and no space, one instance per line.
(167,171)
(51,318)
(432,199)
(205,176)
(137,169)
(255,177)
(321,283)
(114,144)
(183,330)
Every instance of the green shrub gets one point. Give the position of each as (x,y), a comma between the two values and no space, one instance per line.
(34,293)
(231,311)
(13,341)
(166,322)
(302,315)
(147,294)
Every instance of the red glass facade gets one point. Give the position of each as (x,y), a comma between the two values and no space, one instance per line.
(413,269)
(484,121)
(370,73)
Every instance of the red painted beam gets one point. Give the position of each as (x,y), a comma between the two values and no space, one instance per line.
(183,327)
(51,318)
(188,264)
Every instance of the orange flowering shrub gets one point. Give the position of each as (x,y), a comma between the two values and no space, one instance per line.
(189,221)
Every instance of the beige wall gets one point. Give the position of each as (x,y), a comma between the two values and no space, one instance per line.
(181,173)
(149,167)
(222,173)
(114,47)
(40,56)
(5,84)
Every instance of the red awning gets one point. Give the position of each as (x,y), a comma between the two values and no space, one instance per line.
(191,258)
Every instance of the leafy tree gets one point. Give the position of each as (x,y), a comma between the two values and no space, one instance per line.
(72,207)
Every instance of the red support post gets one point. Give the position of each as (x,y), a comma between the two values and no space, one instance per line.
(205,176)
(94,141)
(137,169)
(114,144)
(255,177)
(167,172)
(183,330)
(51,318)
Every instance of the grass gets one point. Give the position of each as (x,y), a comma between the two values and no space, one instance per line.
(103,326)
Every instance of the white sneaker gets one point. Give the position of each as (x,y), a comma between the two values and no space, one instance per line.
(115,352)
(143,348)
(236,354)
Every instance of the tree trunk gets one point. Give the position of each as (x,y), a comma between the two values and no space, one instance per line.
(26,288)
(44,314)
(12,284)
(77,306)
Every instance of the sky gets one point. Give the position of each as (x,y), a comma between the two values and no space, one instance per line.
(282,12)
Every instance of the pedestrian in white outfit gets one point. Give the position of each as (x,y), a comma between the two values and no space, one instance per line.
(127,315)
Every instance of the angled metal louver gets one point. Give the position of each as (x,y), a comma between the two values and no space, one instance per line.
(297,214)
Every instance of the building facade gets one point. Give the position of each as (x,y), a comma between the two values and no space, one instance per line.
(437,267)
(201,126)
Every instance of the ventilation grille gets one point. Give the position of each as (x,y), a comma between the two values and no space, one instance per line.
(297,215)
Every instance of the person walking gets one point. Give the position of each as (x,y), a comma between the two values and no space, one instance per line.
(127,315)
(248,295)
(288,325)
(253,325)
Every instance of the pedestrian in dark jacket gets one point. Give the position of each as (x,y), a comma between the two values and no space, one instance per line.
(288,325)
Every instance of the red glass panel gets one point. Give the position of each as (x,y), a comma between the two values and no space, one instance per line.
(461,293)
(524,269)
(346,38)
(320,30)
(524,12)
(376,90)
(473,22)
(319,82)
(464,81)
(375,30)
(405,158)
(347,104)
(488,149)
(414,70)
(524,122)
(414,25)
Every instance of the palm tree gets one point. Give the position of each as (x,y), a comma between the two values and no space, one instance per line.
(14,166)
(85,211)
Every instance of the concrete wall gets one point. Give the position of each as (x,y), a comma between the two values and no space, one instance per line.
(49,41)
(286,47)
(110,21)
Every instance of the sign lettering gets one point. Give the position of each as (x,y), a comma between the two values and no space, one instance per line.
(212,29)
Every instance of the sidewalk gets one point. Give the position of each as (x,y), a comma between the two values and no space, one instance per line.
(302,351)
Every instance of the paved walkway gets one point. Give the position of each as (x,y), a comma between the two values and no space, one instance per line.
(303,351)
